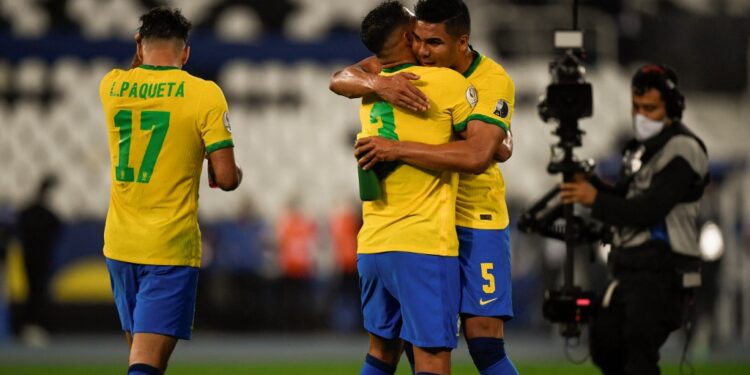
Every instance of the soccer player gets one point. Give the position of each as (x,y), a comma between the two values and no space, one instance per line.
(407,247)
(162,122)
(441,38)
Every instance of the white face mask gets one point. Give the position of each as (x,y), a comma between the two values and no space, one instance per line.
(645,128)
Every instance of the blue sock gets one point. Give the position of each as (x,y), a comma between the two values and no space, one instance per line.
(409,350)
(374,366)
(488,354)
(143,369)
(504,367)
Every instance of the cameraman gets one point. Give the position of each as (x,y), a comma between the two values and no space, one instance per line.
(653,208)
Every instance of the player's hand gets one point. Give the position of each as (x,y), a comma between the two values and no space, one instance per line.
(372,150)
(505,149)
(578,192)
(400,91)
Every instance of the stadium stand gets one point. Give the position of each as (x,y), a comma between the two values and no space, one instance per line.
(293,137)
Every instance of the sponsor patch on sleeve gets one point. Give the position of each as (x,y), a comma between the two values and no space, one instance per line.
(501,108)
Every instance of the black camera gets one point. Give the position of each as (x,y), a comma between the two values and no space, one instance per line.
(562,307)
(568,98)
(568,307)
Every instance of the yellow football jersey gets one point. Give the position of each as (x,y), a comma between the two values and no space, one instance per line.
(416,212)
(161,122)
(481,198)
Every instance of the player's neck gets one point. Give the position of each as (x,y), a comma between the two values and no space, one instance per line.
(395,63)
(396,60)
(397,55)
(162,58)
(464,63)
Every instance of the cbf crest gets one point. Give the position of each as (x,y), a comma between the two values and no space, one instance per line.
(227,125)
(471,96)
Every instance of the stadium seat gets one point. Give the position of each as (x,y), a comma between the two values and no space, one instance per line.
(27,19)
(102,19)
(6,72)
(30,76)
(239,24)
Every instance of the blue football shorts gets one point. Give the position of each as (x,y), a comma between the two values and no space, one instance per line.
(485,272)
(154,299)
(410,296)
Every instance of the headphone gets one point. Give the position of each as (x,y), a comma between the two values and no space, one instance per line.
(673,98)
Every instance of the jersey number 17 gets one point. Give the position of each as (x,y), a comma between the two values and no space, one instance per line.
(155,121)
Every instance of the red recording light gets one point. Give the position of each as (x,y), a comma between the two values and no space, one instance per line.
(583,302)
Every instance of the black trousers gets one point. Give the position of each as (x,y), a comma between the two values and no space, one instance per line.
(645,308)
(38,263)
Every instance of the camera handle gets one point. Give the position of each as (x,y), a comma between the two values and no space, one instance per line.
(569,306)
(570,136)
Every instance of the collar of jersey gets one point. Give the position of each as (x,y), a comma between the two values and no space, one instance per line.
(474,63)
(397,68)
(161,67)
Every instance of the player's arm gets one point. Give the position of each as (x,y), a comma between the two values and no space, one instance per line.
(505,146)
(223,171)
(362,79)
(215,128)
(473,154)
(495,106)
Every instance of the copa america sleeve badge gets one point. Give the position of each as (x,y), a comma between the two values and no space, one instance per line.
(227,125)
(501,108)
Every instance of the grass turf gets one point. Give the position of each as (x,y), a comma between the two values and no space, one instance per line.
(320,368)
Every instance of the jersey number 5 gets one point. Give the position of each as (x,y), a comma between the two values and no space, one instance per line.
(155,121)
(490,286)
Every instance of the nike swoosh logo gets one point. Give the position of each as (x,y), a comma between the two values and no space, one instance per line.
(483,302)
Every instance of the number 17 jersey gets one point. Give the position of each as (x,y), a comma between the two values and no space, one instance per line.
(161,122)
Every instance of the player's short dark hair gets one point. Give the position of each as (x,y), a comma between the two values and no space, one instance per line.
(380,23)
(663,79)
(164,23)
(453,13)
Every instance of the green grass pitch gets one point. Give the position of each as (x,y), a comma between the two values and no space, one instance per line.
(311,368)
